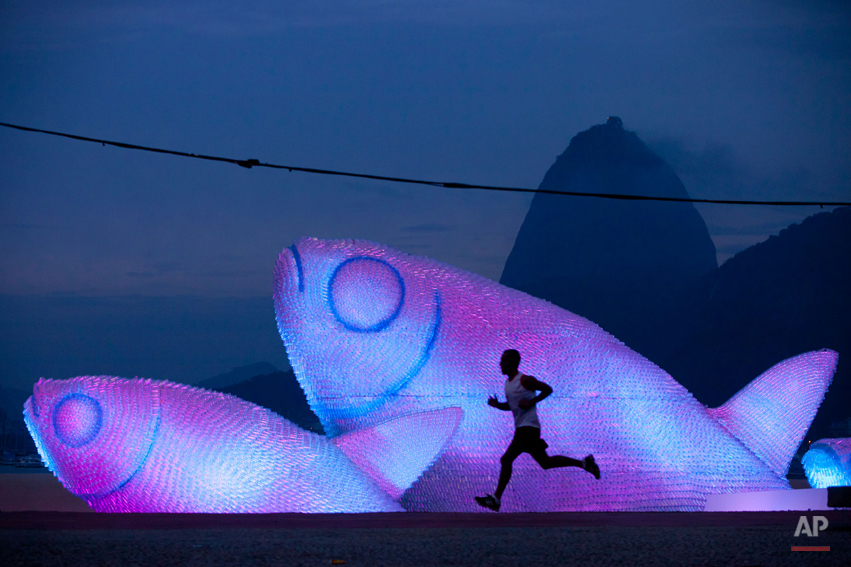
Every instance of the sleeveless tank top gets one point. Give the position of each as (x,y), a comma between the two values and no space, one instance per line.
(515,392)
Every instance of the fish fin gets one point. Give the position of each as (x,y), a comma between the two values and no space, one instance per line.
(771,415)
(397,451)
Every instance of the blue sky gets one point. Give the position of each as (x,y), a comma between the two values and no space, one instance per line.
(745,100)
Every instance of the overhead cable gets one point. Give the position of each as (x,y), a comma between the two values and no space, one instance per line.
(249,163)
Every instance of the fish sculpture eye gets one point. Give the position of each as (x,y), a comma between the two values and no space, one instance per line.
(77,420)
(365,294)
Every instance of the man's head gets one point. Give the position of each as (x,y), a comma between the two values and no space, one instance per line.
(510,362)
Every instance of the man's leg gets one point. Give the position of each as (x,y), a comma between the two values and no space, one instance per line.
(514,450)
(555,461)
(507,461)
(539,453)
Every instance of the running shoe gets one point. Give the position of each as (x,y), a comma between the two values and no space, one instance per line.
(591,466)
(491,502)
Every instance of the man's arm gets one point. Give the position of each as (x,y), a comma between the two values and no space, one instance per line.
(534,385)
(495,403)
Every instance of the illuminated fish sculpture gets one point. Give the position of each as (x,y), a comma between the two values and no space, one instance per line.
(373,333)
(154,446)
(828,463)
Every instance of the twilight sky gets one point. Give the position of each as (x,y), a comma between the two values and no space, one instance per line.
(745,100)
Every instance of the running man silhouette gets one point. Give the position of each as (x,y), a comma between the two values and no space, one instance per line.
(520,392)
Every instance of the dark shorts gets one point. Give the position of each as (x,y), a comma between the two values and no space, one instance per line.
(527,440)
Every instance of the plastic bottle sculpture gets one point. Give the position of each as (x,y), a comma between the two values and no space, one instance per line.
(828,463)
(373,333)
(154,446)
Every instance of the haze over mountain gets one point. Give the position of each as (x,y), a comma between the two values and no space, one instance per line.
(613,262)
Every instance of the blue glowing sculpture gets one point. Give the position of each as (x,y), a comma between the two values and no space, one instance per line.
(373,333)
(828,463)
(152,446)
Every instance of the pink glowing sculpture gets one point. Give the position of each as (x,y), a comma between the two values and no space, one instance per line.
(152,446)
(373,333)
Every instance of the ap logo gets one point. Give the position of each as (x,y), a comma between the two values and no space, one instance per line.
(819,524)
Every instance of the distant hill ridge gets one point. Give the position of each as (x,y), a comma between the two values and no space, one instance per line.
(238,374)
(280,392)
(781,297)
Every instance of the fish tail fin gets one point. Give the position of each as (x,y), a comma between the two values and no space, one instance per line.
(771,415)
(397,451)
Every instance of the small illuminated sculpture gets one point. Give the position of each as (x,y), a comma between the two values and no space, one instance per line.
(154,446)
(828,463)
(373,333)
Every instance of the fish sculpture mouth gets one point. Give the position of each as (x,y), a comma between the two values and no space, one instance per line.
(349,411)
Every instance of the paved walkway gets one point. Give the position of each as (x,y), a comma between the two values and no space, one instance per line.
(59,529)
(416,539)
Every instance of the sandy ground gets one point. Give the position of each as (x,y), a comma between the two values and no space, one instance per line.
(76,537)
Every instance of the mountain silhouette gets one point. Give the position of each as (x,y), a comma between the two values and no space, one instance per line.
(776,299)
(617,263)
(646,272)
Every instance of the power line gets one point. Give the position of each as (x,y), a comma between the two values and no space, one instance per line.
(249,163)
